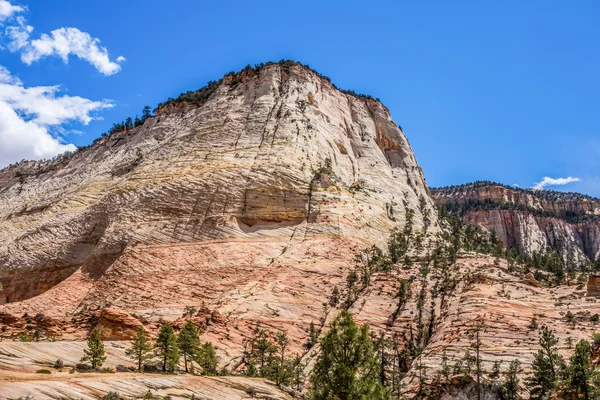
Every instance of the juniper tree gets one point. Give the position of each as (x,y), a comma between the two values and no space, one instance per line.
(141,349)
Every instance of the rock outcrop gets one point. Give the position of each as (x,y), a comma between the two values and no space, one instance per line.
(274,153)
(117,324)
(530,220)
(593,285)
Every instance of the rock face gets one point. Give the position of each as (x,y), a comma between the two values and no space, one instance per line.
(117,324)
(530,220)
(248,206)
(277,154)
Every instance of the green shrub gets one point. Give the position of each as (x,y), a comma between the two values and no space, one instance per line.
(24,337)
(83,367)
(43,371)
(570,317)
(533,324)
(111,396)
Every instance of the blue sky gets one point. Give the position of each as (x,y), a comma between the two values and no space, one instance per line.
(503,91)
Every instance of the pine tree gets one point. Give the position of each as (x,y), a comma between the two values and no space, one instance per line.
(141,349)
(346,368)
(547,366)
(260,354)
(313,335)
(95,350)
(146,113)
(282,372)
(510,388)
(580,370)
(188,342)
(297,367)
(207,359)
(263,349)
(479,325)
(380,349)
(166,347)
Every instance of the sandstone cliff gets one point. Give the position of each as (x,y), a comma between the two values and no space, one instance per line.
(248,200)
(530,220)
(278,154)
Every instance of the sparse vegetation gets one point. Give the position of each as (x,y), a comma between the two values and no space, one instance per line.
(347,367)
(111,396)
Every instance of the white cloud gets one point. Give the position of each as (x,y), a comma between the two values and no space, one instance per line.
(63,42)
(7,10)
(45,107)
(27,114)
(547,181)
(6,77)
(20,139)
(18,34)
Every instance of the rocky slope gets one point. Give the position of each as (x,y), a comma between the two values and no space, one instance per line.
(530,220)
(248,200)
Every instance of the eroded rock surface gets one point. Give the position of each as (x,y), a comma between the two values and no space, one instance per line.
(281,155)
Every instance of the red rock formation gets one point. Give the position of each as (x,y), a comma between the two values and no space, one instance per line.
(117,324)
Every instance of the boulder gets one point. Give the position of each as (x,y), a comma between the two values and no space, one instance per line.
(117,324)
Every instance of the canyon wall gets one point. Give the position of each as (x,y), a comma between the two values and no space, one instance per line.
(530,220)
